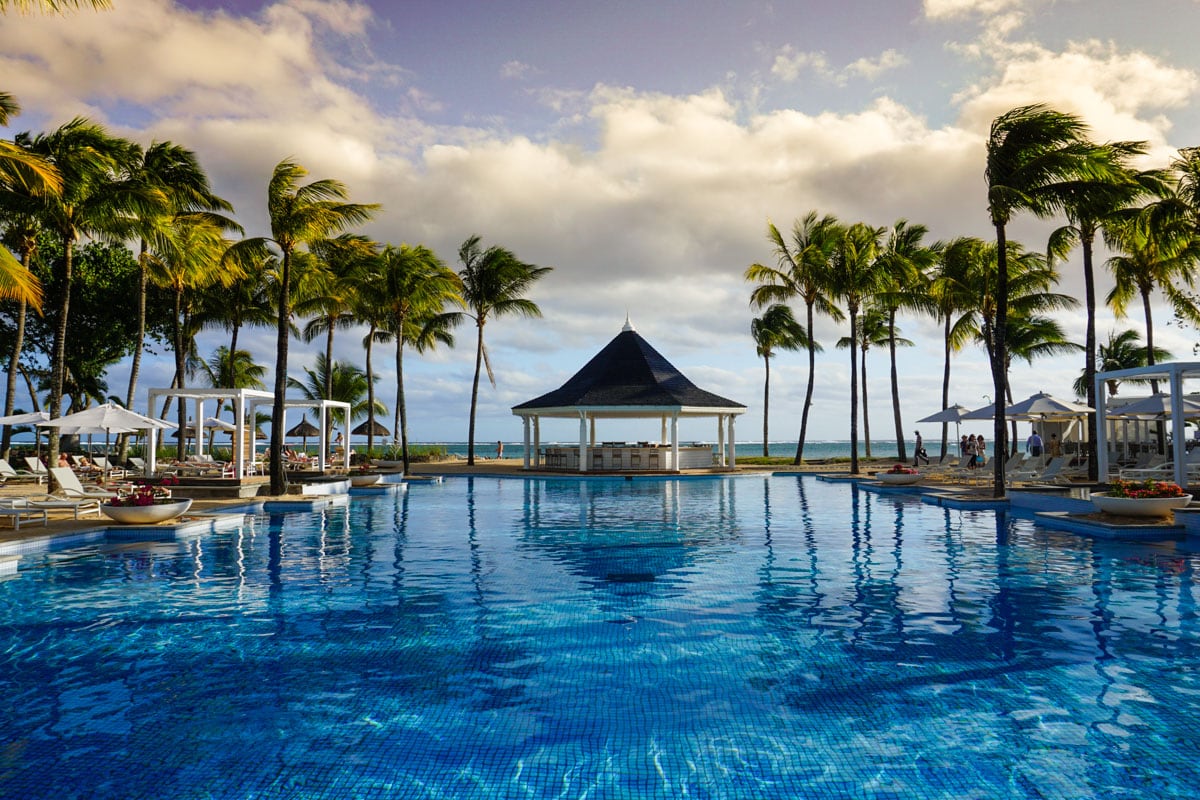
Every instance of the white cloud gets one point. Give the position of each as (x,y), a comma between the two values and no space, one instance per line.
(516,70)
(789,65)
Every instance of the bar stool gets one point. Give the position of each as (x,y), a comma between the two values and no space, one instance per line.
(652,460)
(597,459)
(635,460)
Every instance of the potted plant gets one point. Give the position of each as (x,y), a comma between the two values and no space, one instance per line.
(364,475)
(899,475)
(1149,498)
(145,505)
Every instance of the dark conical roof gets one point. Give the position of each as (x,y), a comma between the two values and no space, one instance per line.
(628,372)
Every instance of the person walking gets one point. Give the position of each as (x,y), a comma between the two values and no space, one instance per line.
(972,458)
(919,451)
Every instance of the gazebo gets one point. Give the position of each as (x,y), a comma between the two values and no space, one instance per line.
(1174,373)
(628,379)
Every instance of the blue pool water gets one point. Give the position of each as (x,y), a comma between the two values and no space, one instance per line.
(492,638)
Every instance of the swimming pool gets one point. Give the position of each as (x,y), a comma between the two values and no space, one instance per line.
(731,638)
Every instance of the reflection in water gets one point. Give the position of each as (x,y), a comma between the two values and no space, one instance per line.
(747,638)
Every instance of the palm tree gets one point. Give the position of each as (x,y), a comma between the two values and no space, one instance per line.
(775,330)
(226,369)
(327,290)
(855,276)
(1124,350)
(172,176)
(189,258)
(1089,206)
(873,330)
(349,385)
(954,301)
(904,260)
(299,215)
(24,177)
(91,202)
(494,283)
(1033,155)
(1154,253)
(801,271)
(407,294)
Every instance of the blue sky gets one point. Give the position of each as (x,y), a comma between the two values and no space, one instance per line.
(639,148)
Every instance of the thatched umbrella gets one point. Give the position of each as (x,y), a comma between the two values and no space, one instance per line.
(304,430)
(378,430)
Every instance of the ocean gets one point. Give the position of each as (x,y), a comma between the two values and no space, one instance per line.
(813,450)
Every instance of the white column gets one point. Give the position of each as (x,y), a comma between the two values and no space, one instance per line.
(321,438)
(525,426)
(592,433)
(720,440)
(537,442)
(732,444)
(151,449)
(1101,431)
(1178,436)
(583,432)
(199,426)
(675,442)
(662,435)
(239,439)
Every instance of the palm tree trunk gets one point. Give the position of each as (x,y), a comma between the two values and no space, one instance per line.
(808,393)
(1160,428)
(853,391)
(475,393)
(866,409)
(327,422)
(370,394)
(766,402)
(180,368)
(999,358)
(14,364)
(401,407)
(278,476)
(1089,356)
(58,358)
(945,385)
(136,365)
(901,450)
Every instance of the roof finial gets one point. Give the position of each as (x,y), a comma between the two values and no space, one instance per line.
(628,325)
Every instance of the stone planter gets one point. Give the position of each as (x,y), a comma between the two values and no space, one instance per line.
(369,479)
(898,478)
(1138,506)
(145,515)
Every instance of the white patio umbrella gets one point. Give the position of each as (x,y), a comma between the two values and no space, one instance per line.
(955,413)
(32,418)
(1045,406)
(1156,405)
(107,418)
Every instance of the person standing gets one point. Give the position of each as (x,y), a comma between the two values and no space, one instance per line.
(1054,449)
(499,450)
(972,458)
(1033,445)
(980,451)
(919,451)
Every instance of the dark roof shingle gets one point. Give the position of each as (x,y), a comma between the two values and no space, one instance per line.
(628,372)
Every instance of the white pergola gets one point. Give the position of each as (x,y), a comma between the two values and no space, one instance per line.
(668,415)
(245,402)
(1174,373)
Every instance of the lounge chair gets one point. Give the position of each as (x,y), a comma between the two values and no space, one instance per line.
(18,510)
(17,475)
(36,466)
(110,470)
(69,485)
(50,502)
(1046,474)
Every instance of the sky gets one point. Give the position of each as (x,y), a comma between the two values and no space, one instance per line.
(638,148)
